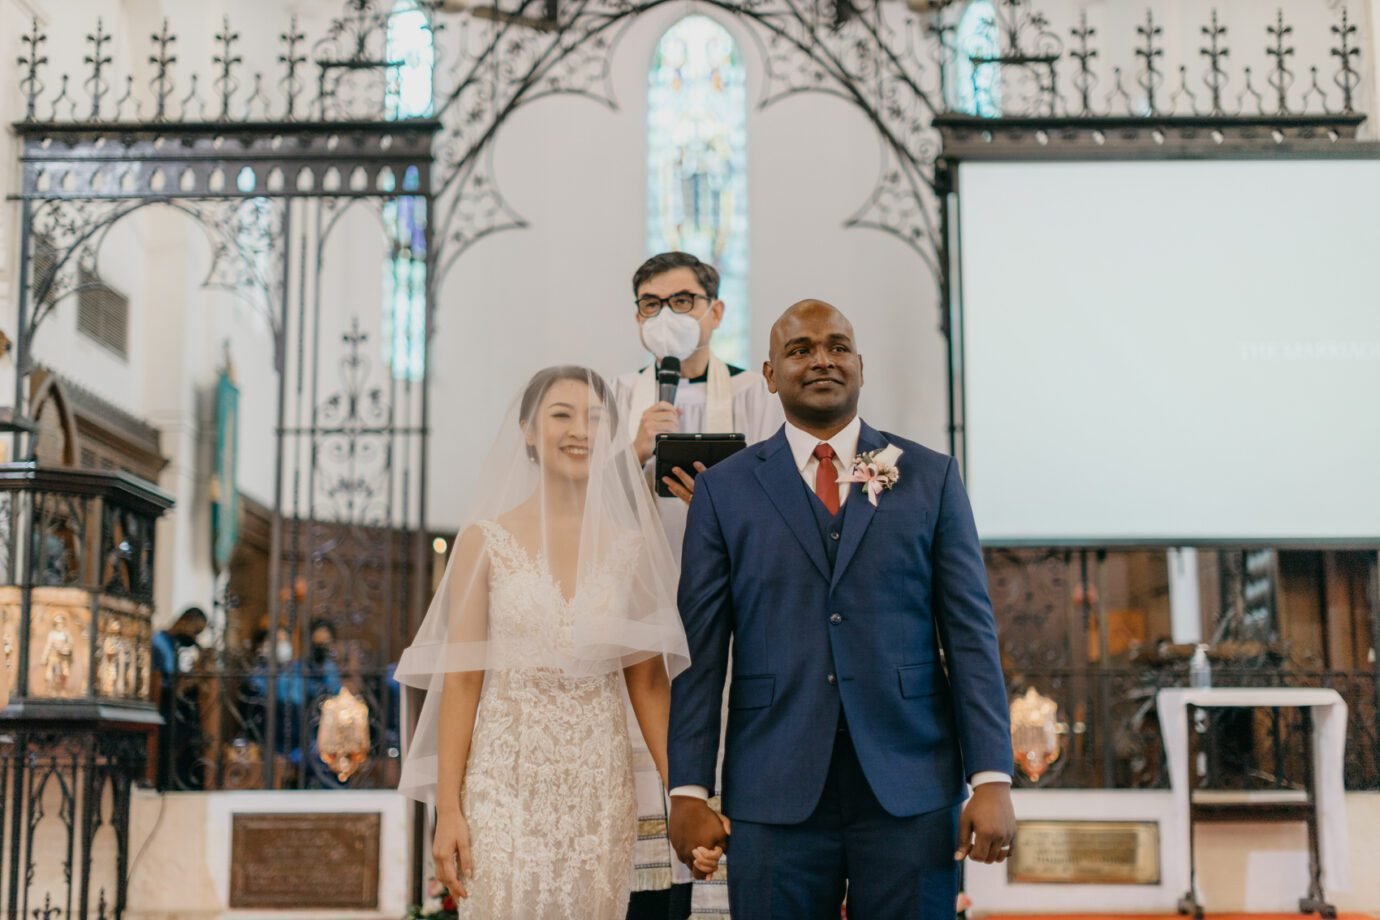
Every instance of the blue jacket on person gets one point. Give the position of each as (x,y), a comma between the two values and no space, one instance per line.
(889,628)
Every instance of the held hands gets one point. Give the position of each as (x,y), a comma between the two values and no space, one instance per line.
(988,825)
(706,861)
(699,835)
(662,418)
(450,851)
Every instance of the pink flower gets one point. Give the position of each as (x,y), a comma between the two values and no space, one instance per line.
(876,470)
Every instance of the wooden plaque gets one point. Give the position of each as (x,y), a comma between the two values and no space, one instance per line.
(1086,853)
(309,860)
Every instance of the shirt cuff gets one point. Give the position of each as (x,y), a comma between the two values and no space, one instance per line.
(691,792)
(989,776)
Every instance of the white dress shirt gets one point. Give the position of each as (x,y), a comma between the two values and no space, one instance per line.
(845,445)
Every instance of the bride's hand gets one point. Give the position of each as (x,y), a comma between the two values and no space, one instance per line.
(450,848)
(707,861)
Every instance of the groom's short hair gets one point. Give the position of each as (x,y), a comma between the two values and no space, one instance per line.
(706,274)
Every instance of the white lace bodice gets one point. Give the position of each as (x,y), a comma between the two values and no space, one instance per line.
(548,789)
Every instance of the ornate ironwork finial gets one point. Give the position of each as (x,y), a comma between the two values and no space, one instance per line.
(257,96)
(1314,90)
(128,97)
(60,99)
(1118,92)
(1151,77)
(1084,80)
(291,59)
(1183,92)
(96,85)
(1216,52)
(1281,77)
(355,336)
(163,59)
(47,911)
(1249,92)
(192,99)
(32,60)
(227,59)
(944,50)
(1347,77)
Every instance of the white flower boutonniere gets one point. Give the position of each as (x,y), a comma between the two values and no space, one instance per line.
(876,470)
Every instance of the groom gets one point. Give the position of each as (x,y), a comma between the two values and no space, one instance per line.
(867,690)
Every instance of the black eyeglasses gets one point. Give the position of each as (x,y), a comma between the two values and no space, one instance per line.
(650,305)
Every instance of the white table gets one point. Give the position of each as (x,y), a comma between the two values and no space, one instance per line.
(1324,801)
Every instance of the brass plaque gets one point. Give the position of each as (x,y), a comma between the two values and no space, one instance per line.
(311,860)
(1086,853)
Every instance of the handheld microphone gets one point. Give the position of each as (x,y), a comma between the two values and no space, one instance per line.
(667,379)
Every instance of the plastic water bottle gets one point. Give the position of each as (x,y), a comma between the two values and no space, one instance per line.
(1199,670)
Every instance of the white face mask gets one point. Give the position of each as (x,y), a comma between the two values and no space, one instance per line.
(284,650)
(671,335)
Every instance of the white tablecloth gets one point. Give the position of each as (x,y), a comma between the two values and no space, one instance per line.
(1329,746)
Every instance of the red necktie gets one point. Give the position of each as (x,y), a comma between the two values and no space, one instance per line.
(827,478)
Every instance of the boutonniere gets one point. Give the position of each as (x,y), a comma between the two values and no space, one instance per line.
(876,470)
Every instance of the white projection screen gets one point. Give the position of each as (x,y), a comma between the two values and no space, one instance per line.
(1171,350)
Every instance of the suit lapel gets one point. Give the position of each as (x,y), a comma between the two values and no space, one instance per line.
(781,481)
(858,511)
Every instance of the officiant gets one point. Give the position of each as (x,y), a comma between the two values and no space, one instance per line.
(677,310)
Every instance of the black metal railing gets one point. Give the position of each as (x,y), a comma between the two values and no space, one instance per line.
(259,728)
(1110,735)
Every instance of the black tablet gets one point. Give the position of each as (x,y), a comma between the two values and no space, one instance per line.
(682,450)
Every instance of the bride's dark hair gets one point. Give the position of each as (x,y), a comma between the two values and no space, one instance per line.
(544,379)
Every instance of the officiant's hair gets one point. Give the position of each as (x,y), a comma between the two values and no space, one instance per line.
(706,274)
(543,380)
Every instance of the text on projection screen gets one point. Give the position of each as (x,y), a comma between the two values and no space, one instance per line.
(1172,350)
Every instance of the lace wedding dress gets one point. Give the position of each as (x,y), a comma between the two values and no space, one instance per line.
(548,790)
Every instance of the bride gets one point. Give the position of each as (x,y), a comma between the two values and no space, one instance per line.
(559,594)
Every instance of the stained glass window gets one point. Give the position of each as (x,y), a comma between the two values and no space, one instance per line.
(404,268)
(697,198)
(976,88)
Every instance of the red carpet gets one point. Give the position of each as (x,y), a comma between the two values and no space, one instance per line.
(1210,916)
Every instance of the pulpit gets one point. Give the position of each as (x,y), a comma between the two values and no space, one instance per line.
(76,622)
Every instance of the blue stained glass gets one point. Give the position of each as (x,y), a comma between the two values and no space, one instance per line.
(976,88)
(697,198)
(404,270)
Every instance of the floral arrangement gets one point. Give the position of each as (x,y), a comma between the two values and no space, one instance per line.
(876,470)
(439,904)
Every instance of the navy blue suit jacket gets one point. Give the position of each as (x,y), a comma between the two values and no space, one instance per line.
(908,580)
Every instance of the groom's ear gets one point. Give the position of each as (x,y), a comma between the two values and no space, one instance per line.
(769,373)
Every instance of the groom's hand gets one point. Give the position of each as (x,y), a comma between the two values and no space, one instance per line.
(988,824)
(694,824)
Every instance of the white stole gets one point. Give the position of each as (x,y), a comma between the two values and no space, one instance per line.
(718,407)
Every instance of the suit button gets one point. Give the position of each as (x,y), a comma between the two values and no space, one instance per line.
(832,680)
(834,535)
(836,619)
